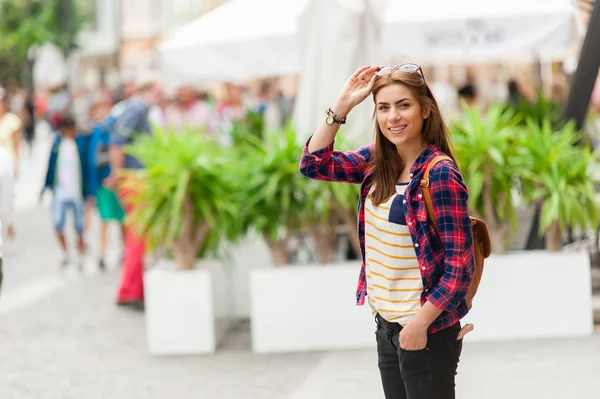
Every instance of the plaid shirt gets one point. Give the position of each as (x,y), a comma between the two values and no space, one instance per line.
(446,263)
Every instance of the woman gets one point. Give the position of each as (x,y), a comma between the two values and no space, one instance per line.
(415,281)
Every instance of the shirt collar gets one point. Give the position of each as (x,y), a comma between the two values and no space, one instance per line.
(428,153)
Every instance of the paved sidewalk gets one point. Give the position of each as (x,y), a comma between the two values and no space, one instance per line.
(74,343)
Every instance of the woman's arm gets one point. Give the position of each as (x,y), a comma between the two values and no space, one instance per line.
(450,198)
(329,165)
(319,160)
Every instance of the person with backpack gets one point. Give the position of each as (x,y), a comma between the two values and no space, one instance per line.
(67,178)
(131,124)
(417,270)
(107,202)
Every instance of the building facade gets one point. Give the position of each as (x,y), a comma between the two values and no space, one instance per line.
(95,63)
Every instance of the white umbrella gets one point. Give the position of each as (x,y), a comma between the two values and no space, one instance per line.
(465,31)
(337,36)
(240,40)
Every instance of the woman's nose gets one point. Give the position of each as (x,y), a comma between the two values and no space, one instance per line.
(394,114)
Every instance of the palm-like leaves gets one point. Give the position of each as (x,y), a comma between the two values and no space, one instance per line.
(486,154)
(180,168)
(276,192)
(558,173)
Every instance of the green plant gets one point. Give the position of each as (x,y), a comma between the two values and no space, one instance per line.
(249,129)
(487,157)
(185,199)
(277,193)
(539,110)
(329,206)
(26,24)
(558,175)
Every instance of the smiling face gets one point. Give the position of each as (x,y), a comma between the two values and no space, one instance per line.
(399,115)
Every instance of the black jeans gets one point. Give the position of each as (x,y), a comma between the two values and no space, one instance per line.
(424,374)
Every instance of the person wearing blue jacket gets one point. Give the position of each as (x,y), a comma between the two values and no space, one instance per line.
(107,202)
(67,178)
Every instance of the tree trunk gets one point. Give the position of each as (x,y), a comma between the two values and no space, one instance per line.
(185,255)
(499,238)
(279,250)
(498,230)
(350,222)
(188,245)
(324,238)
(553,237)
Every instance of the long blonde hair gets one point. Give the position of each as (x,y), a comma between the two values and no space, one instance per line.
(386,163)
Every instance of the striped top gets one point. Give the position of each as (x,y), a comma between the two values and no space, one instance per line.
(394,283)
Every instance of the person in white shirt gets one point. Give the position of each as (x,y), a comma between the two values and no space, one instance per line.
(7,176)
(67,178)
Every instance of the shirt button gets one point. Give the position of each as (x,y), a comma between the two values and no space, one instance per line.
(420,195)
(411,175)
(417,245)
(410,223)
(404,202)
(424,268)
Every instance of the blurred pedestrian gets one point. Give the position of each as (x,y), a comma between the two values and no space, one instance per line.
(414,280)
(515,94)
(189,112)
(230,110)
(29,122)
(10,131)
(131,124)
(67,178)
(108,204)
(468,95)
(7,176)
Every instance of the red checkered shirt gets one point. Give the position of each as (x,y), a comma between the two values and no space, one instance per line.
(446,262)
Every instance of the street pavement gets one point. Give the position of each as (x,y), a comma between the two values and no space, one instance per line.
(62,337)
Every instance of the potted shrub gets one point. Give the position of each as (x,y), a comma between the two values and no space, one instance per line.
(487,156)
(186,204)
(276,193)
(283,203)
(545,167)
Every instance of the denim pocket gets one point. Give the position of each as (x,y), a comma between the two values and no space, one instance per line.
(414,363)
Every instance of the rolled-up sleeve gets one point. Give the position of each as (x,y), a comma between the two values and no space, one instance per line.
(450,198)
(331,165)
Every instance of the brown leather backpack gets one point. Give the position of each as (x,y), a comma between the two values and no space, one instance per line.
(481,237)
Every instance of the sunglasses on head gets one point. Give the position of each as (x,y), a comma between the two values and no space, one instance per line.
(386,70)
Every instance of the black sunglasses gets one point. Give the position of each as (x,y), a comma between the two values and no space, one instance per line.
(386,70)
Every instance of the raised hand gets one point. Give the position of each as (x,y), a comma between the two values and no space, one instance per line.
(356,89)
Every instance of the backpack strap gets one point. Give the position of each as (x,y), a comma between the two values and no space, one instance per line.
(427,193)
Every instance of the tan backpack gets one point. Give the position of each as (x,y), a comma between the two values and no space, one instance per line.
(481,237)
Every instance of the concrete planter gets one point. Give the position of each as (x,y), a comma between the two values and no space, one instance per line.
(187,312)
(308,308)
(531,295)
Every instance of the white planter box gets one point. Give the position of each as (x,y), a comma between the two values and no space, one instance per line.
(250,254)
(308,308)
(187,312)
(534,294)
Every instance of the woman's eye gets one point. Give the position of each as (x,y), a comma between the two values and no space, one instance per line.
(382,108)
(404,105)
